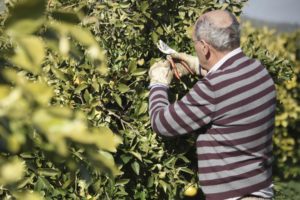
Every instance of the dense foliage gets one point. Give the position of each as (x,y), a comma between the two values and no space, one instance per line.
(74,81)
(282,47)
(47,146)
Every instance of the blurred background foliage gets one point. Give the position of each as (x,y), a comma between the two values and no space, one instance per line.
(73,87)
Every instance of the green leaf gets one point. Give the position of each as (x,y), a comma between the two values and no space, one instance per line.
(163,184)
(143,108)
(170,162)
(159,30)
(59,74)
(26,17)
(122,182)
(106,159)
(181,14)
(139,72)
(27,155)
(48,172)
(96,86)
(102,82)
(80,88)
(65,16)
(12,171)
(154,37)
(25,181)
(125,158)
(29,54)
(83,36)
(144,6)
(43,184)
(38,91)
(123,88)
(187,170)
(150,182)
(87,96)
(183,158)
(4,91)
(106,139)
(137,155)
(57,128)
(136,167)
(28,195)
(118,99)
(132,66)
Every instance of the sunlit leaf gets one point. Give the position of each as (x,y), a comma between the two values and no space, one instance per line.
(143,108)
(26,17)
(29,53)
(122,182)
(29,196)
(48,172)
(12,171)
(123,88)
(83,36)
(65,16)
(118,99)
(136,167)
(132,66)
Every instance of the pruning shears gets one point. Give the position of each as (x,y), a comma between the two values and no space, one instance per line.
(164,48)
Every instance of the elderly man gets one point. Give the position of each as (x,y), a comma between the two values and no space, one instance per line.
(235,101)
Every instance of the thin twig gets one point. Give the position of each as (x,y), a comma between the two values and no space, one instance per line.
(81,99)
(121,120)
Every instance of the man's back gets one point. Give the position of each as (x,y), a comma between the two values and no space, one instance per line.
(234,154)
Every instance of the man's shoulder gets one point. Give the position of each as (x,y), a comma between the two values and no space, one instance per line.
(234,68)
(239,71)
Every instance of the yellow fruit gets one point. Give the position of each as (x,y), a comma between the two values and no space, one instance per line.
(111,84)
(162,175)
(77,81)
(190,191)
(140,62)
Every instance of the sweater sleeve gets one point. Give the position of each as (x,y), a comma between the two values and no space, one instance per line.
(189,114)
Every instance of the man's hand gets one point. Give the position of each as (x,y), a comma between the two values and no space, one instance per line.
(192,62)
(160,73)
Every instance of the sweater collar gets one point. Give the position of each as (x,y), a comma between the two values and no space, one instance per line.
(224,59)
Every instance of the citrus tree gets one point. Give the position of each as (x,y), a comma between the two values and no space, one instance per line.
(47,146)
(74,81)
(286,138)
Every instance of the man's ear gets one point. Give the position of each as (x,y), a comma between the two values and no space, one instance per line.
(204,47)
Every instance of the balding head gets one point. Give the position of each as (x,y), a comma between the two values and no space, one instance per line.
(219,18)
(220,29)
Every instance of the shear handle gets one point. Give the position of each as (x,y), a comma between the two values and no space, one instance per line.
(183,63)
(169,58)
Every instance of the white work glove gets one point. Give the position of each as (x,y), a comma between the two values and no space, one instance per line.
(192,61)
(160,73)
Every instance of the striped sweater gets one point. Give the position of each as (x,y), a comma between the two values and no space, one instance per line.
(237,105)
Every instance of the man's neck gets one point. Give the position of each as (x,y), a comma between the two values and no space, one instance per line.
(216,57)
(221,57)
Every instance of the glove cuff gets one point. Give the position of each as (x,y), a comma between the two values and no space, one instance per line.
(162,82)
(153,85)
(196,65)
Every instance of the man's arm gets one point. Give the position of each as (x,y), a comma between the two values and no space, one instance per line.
(190,113)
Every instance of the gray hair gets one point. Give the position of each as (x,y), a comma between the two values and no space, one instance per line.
(222,39)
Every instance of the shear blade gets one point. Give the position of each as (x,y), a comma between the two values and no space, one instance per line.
(164,48)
